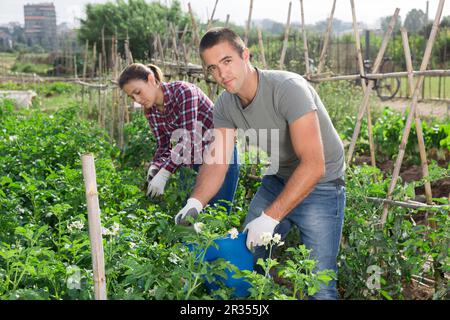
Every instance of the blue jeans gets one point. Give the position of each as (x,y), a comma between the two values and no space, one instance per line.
(229,186)
(319,218)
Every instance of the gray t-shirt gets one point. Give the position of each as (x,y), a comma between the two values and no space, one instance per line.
(281,98)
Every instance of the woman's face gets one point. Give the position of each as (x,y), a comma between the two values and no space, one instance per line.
(143,92)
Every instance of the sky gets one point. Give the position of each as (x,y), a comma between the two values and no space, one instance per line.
(367,11)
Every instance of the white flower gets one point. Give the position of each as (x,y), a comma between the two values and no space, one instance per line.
(266,237)
(276,238)
(75,225)
(198,226)
(12,138)
(132,245)
(233,233)
(174,258)
(280,243)
(115,229)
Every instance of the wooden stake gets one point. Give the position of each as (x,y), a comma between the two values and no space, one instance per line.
(196,36)
(422,151)
(305,42)
(85,62)
(415,98)
(286,38)
(174,44)
(261,48)
(326,39)
(247,28)
(369,88)
(160,48)
(128,55)
(104,59)
(212,16)
(95,230)
(94,60)
(227,21)
(363,83)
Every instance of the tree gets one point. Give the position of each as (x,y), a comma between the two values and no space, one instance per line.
(137,18)
(384,23)
(415,20)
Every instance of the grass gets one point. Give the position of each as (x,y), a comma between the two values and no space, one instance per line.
(7,60)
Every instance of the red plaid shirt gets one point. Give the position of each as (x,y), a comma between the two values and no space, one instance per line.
(184,106)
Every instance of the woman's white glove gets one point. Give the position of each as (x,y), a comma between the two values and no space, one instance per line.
(192,208)
(257,227)
(158,183)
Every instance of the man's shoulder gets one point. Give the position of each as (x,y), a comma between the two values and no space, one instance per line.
(225,98)
(279,77)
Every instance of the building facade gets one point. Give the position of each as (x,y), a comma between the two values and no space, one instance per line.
(40,25)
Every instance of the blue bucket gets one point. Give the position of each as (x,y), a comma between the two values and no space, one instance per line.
(236,252)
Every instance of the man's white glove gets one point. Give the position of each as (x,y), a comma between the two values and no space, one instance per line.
(191,209)
(151,173)
(158,183)
(257,227)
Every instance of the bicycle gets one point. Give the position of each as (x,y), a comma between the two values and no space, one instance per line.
(386,88)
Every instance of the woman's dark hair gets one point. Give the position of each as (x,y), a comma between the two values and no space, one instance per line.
(220,34)
(139,71)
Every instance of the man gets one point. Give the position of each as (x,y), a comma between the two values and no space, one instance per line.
(308,189)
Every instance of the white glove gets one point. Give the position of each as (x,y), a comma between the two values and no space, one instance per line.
(158,183)
(257,227)
(151,173)
(191,209)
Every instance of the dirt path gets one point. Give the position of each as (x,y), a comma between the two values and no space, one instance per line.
(438,109)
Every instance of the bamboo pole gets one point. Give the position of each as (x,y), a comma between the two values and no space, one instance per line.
(174,44)
(227,21)
(85,64)
(305,42)
(376,76)
(326,39)
(363,83)
(183,35)
(160,48)
(261,48)
(409,204)
(196,36)
(75,72)
(128,55)
(423,154)
(104,59)
(212,16)
(94,58)
(369,88)
(420,139)
(247,28)
(286,38)
(95,231)
(412,112)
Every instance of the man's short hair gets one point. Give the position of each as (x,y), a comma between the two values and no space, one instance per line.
(220,34)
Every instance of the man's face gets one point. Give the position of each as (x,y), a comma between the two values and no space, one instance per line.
(223,62)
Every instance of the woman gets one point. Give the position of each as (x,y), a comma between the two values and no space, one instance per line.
(170,106)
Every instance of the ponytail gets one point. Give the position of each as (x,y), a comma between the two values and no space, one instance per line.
(138,71)
(156,72)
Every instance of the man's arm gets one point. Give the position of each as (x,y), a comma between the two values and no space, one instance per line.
(211,175)
(215,165)
(307,144)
